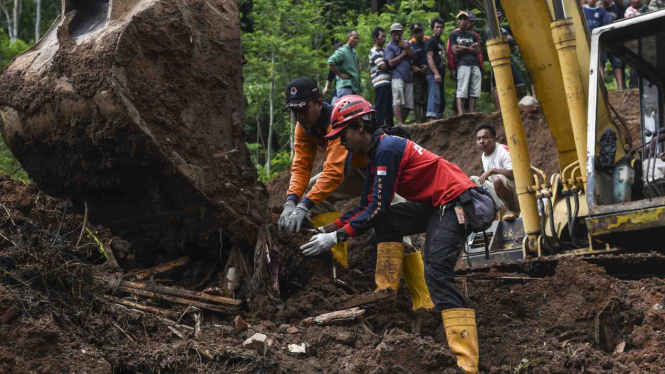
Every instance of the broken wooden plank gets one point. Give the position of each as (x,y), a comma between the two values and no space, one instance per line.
(122,331)
(178,333)
(141,307)
(169,322)
(177,300)
(145,274)
(367,298)
(180,292)
(336,317)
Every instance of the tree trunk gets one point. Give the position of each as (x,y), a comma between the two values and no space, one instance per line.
(16,15)
(272,113)
(38,20)
(375,6)
(258,135)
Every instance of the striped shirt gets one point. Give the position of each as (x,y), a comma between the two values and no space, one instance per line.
(376,59)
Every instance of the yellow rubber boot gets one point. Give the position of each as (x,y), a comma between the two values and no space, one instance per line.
(462,336)
(389,260)
(414,275)
(339,251)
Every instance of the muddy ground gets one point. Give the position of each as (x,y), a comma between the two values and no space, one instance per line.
(54,318)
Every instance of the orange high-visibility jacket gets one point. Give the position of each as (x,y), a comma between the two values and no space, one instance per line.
(305,147)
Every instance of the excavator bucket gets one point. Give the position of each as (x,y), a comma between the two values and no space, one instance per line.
(135,109)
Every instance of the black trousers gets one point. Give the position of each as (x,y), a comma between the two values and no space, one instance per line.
(383,103)
(443,244)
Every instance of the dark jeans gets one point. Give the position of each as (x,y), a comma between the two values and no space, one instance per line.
(420,96)
(383,103)
(436,99)
(443,244)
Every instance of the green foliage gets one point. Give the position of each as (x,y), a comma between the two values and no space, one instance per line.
(8,50)
(278,164)
(9,164)
(299,35)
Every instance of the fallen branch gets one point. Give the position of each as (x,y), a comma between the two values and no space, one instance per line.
(197,325)
(178,333)
(168,322)
(122,331)
(145,274)
(177,300)
(180,292)
(336,317)
(141,307)
(85,222)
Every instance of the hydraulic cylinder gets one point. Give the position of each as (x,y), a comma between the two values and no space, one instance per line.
(563,33)
(499,54)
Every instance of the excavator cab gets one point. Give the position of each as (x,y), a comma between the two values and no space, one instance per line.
(626,195)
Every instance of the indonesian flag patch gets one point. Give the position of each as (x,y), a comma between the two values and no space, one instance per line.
(381,170)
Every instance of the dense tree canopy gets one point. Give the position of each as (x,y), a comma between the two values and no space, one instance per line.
(286,39)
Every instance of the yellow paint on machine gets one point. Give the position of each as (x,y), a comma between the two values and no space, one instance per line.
(636,219)
(534,37)
(628,221)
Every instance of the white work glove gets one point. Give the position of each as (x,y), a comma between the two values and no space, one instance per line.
(294,221)
(289,207)
(319,243)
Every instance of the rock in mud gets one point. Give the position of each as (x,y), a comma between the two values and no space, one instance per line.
(257,342)
(135,108)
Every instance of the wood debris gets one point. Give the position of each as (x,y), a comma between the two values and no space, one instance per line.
(336,317)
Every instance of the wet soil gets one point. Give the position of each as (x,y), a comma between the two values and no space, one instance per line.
(54,318)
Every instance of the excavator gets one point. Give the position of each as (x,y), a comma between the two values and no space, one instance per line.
(609,197)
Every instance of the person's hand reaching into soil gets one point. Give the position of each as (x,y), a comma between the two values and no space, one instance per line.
(294,221)
(319,243)
(289,207)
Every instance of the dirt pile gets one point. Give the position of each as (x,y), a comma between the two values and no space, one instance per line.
(135,108)
(54,316)
(454,139)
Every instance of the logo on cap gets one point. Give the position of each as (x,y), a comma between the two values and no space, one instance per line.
(294,91)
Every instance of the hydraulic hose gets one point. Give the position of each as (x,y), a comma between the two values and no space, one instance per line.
(561,243)
(541,208)
(570,215)
(577,211)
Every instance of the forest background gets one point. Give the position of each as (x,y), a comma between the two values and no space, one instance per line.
(282,40)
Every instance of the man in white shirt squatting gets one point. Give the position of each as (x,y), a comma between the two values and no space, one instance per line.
(498,176)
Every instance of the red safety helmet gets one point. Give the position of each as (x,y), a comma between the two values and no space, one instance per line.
(346,109)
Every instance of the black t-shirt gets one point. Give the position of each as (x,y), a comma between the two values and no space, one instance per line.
(420,50)
(465,38)
(438,49)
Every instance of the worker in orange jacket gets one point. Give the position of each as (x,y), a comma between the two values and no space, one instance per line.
(342,177)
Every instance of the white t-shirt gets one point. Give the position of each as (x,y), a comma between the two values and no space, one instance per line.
(499,159)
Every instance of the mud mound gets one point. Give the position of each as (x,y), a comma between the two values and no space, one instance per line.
(54,316)
(579,319)
(40,345)
(140,117)
(455,139)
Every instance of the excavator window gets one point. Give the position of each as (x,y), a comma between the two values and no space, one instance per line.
(642,47)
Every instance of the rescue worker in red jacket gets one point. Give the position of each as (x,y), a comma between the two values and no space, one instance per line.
(434,188)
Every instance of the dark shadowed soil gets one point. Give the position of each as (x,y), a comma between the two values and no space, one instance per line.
(54,319)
